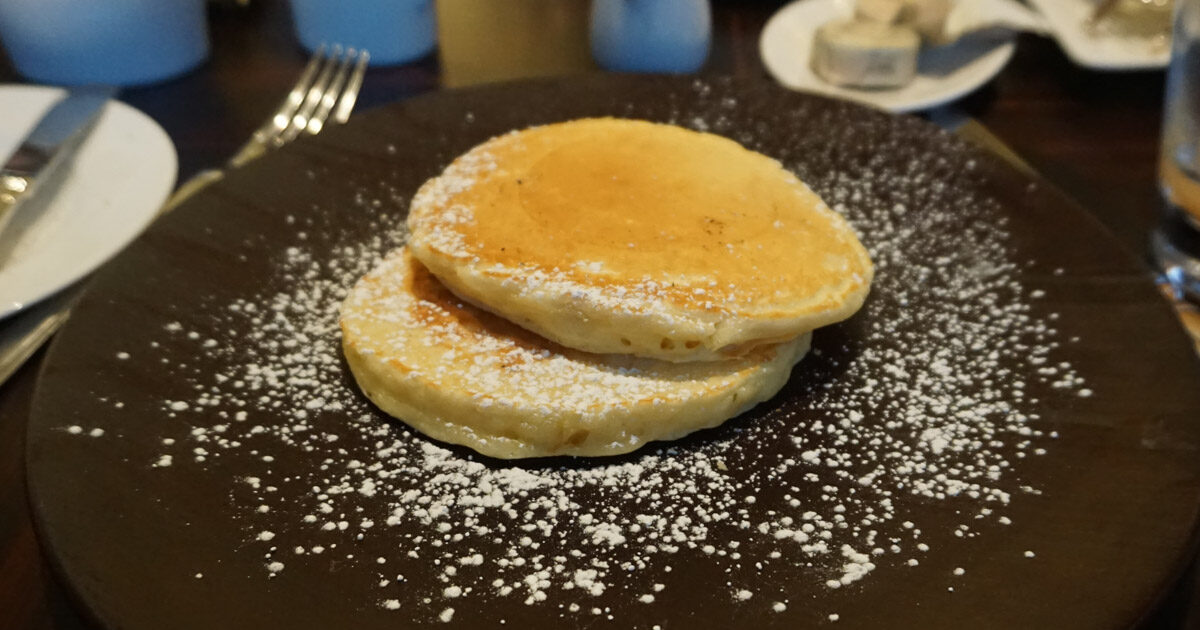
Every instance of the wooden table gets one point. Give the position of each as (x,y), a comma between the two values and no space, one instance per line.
(1094,135)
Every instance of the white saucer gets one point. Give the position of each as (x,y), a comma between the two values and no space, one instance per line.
(1066,19)
(944,73)
(114,187)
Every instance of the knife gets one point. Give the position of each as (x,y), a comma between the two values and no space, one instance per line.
(49,145)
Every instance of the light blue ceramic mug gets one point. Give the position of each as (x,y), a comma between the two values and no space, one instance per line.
(393,31)
(651,35)
(119,42)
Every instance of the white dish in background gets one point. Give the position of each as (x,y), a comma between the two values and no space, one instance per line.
(1066,20)
(944,73)
(110,191)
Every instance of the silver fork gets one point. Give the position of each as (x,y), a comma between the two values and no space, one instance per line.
(328,86)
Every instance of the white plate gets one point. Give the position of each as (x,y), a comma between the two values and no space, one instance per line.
(944,73)
(1066,19)
(114,187)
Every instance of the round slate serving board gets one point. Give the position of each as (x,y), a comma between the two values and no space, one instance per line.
(1109,506)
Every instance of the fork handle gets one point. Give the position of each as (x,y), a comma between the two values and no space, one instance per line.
(195,184)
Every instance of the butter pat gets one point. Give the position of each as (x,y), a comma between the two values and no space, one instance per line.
(941,22)
(929,18)
(865,54)
(885,11)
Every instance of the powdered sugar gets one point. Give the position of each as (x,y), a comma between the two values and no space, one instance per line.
(926,396)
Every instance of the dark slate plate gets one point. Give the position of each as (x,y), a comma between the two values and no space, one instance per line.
(1111,516)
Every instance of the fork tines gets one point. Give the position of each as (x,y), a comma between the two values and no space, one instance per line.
(328,85)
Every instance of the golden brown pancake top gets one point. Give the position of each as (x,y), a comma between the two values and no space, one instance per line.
(693,219)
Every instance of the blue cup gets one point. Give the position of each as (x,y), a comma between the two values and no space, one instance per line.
(651,35)
(119,42)
(392,31)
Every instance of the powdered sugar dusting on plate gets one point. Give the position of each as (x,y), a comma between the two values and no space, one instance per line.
(944,411)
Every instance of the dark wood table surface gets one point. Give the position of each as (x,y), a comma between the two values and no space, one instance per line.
(1094,135)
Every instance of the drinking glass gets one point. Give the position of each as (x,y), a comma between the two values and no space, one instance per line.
(119,42)
(1176,241)
(651,35)
(392,31)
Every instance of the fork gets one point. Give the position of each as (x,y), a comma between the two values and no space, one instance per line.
(326,81)
(328,86)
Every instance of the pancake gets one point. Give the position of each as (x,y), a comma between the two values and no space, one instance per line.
(625,236)
(462,375)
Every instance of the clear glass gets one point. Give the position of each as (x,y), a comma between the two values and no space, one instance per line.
(1176,241)
(651,35)
(393,31)
(119,42)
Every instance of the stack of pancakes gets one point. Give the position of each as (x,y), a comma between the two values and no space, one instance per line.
(583,288)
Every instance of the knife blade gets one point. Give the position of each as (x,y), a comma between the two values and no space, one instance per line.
(49,145)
